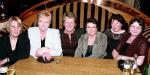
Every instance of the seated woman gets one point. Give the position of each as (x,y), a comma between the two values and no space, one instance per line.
(93,43)
(118,28)
(70,34)
(45,42)
(134,45)
(15,45)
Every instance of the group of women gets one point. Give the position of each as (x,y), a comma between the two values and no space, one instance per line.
(115,42)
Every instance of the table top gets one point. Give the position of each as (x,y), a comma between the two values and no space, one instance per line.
(68,66)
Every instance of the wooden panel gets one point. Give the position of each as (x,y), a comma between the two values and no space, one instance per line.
(103,20)
(109,15)
(54,18)
(75,8)
(82,15)
(89,11)
(96,12)
(60,17)
(68,7)
(30,20)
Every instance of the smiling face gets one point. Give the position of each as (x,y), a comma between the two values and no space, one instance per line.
(69,24)
(116,25)
(44,22)
(15,28)
(135,29)
(91,28)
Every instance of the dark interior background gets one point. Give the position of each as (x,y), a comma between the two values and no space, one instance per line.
(16,7)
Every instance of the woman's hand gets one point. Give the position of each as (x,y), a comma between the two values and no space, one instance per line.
(2,62)
(41,51)
(115,55)
(47,56)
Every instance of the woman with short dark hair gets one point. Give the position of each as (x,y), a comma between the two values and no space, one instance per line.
(93,43)
(117,28)
(134,45)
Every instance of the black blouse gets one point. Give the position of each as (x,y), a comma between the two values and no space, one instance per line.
(89,50)
(112,41)
(43,43)
(21,51)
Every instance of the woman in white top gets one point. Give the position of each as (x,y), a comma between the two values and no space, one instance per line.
(45,42)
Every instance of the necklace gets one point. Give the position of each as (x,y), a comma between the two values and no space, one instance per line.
(115,36)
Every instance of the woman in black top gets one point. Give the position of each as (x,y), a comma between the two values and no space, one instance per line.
(117,29)
(15,45)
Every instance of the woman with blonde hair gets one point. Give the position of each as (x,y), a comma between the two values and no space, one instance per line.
(45,42)
(15,45)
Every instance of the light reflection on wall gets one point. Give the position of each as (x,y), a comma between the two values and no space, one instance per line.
(98,2)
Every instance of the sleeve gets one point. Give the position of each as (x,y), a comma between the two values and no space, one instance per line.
(106,31)
(23,48)
(119,45)
(3,50)
(101,48)
(79,49)
(56,49)
(34,42)
(143,48)
(25,45)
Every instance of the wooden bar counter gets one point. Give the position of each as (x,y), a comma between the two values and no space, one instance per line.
(68,66)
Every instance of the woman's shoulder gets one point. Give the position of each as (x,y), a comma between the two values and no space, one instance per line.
(23,34)
(83,36)
(32,28)
(52,30)
(107,31)
(100,34)
(80,30)
(61,31)
(142,38)
(4,37)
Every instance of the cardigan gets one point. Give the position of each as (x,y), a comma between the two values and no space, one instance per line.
(67,46)
(139,46)
(99,46)
(52,41)
(21,51)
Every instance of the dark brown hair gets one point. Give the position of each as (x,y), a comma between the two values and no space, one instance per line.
(120,19)
(92,20)
(138,20)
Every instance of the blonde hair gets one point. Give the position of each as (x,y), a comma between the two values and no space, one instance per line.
(14,18)
(43,13)
(69,15)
